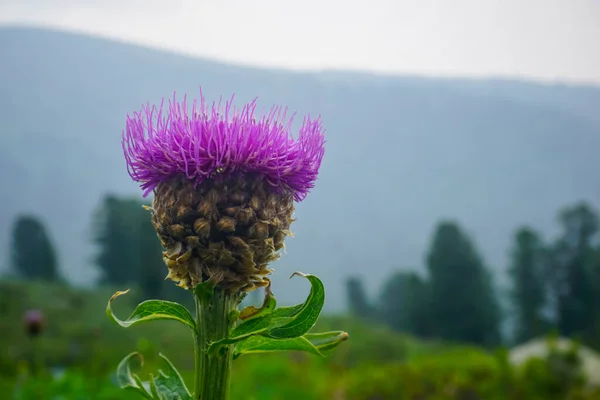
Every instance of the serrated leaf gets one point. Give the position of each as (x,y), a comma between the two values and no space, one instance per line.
(168,385)
(315,343)
(152,310)
(284,322)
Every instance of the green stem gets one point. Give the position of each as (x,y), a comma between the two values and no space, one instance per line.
(213,322)
(37,363)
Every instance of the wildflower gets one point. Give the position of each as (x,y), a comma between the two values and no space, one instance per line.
(224,186)
(34,322)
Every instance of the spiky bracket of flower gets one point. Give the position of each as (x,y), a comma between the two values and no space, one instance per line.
(224,186)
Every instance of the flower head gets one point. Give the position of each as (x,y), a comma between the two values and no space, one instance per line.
(212,141)
(224,185)
(34,322)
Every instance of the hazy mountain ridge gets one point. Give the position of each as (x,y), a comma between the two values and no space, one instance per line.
(402,152)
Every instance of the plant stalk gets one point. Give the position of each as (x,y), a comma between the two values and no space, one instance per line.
(213,322)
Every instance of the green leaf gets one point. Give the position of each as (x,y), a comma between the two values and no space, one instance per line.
(284,322)
(267,307)
(150,310)
(307,316)
(168,385)
(326,341)
(129,381)
(315,343)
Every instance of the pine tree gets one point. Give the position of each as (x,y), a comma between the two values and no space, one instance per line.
(463,303)
(595,331)
(151,265)
(33,255)
(129,249)
(357,299)
(572,270)
(114,234)
(404,304)
(528,294)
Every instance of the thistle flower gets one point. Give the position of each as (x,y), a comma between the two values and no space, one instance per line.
(224,186)
(34,322)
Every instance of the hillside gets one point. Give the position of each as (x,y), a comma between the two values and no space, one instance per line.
(402,152)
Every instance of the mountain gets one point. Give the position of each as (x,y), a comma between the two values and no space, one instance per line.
(402,152)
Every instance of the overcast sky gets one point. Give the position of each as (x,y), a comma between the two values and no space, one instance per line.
(540,39)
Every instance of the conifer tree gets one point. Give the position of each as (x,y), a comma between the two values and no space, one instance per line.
(528,284)
(32,253)
(463,303)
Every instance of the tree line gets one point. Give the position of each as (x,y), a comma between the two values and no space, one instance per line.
(554,287)
(128,251)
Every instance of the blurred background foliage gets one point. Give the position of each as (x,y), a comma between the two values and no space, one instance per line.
(433,336)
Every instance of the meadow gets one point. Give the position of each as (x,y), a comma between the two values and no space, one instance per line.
(76,356)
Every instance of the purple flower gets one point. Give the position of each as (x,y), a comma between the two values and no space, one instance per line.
(34,322)
(210,142)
